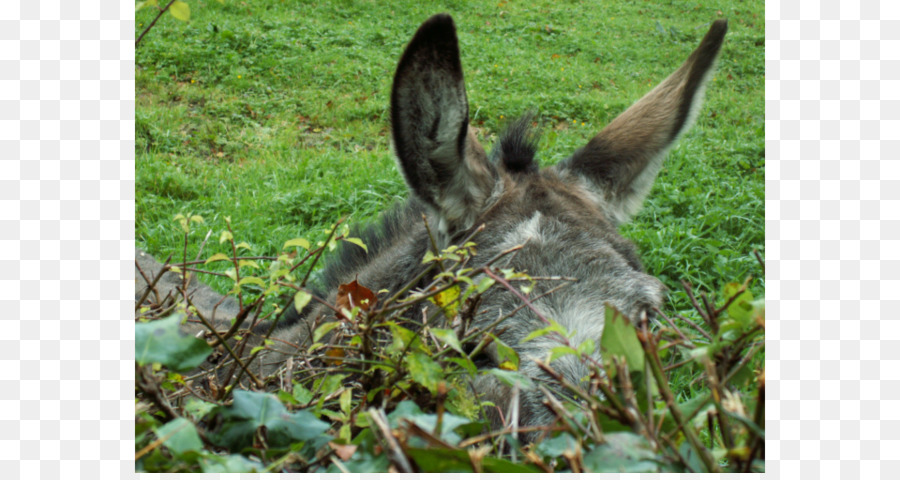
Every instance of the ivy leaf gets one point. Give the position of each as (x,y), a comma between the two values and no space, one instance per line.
(180,436)
(162,341)
(623,452)
(252,410)
(229,464)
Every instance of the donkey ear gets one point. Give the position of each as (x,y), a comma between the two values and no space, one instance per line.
(621,162)
(443,163)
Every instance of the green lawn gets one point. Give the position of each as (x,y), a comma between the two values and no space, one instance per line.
(276,114)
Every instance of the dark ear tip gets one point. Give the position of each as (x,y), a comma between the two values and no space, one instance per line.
(438,25)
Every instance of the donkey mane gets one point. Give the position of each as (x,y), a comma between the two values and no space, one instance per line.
(517,146)
(516,150)
(379,235)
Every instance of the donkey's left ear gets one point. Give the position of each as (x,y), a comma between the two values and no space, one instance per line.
(621,162)
(443,163)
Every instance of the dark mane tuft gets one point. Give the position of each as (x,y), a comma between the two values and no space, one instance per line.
(517,146)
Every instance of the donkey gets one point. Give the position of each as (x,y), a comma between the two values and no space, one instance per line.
(564,217)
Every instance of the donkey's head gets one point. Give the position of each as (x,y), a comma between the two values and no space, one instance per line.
(565,215)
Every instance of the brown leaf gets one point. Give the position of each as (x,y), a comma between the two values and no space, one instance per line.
(344,452)
(335,355)
(352,295)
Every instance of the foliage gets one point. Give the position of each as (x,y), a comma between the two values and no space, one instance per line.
(381,390)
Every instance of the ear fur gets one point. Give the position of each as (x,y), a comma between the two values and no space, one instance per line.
(442,162)
(622,161)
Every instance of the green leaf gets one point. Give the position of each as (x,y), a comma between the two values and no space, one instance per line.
(197,408)
(323,330)
(182,436)
(458,461)
(301,300)
(512,378)
(424,370)
(217,258)
(345,401)
(248,263)
(561,351)
(162,341)
(449,337)
(401,338)
(357,242)
(180,10)
(448,300)
(587,347)
(623,452)
(552,448)
(506,353)
(225,236)
(215,463)
(465,363)
(741,309)
(252,410)
(147,3)
(363,462)
(408,411)
(554,327)
(302,394)
(296,242)
(252,280)
(484,284)
(620,338)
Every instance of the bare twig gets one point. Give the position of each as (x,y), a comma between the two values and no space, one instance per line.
(395,453)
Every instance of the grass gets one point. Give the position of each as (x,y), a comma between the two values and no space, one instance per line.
(275,114)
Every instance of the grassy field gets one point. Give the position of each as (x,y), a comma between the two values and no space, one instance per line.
(275,114)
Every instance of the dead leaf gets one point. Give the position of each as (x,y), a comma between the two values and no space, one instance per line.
(352,295)
(344,452)
(335,355)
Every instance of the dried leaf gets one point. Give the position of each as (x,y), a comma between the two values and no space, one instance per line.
(344,452)
(354,295)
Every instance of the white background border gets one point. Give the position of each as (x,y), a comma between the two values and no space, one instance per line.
(67,238)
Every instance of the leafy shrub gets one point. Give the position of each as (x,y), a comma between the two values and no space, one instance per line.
(381,389)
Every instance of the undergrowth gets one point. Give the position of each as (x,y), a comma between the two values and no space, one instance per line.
(381,389)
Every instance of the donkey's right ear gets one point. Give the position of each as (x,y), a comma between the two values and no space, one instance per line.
(443,163)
